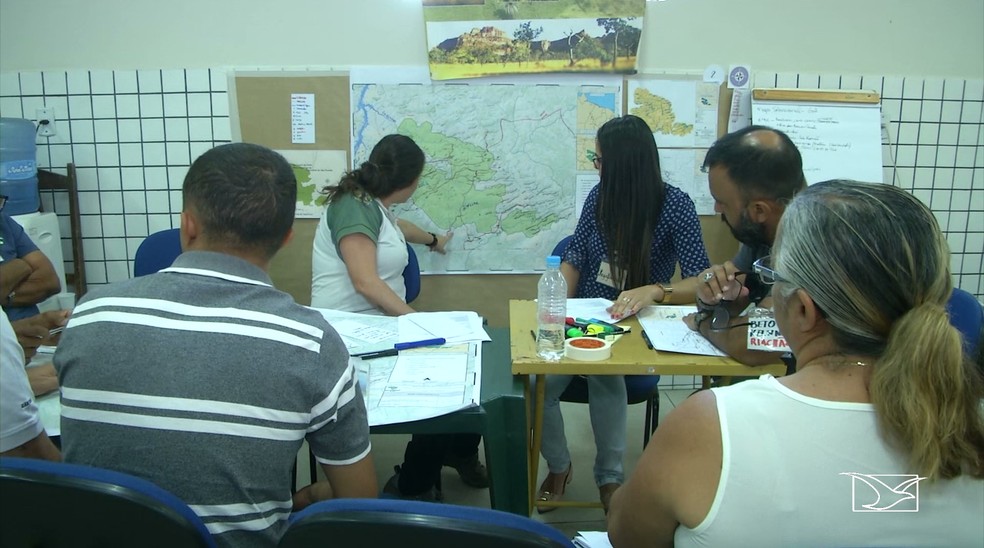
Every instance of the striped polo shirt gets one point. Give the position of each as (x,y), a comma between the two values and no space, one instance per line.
(204,379)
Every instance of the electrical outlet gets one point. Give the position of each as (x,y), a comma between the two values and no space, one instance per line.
(46,122)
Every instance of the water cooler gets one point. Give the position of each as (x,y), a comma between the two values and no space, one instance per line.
(18,166)
(43,230)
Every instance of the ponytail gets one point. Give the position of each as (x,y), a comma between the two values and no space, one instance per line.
(927,395)
(394,164)
(358,182)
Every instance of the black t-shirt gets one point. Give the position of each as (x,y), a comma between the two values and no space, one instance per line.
(757,290)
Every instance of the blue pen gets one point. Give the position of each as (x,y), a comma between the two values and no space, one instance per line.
(417,344)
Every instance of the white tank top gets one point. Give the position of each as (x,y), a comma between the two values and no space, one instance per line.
(332,288)
(786,480)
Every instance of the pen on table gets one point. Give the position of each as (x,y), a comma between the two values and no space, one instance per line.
(649,343)
(417,344)
(377,354)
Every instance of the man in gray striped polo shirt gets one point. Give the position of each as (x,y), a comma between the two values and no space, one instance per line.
(205,379)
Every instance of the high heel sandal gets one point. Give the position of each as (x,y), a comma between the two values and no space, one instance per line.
(545,494)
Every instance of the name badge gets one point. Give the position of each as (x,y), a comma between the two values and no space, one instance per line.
(605,275)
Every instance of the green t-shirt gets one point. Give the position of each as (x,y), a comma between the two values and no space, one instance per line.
(348,214)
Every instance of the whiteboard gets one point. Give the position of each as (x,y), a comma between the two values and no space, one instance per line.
(836,140)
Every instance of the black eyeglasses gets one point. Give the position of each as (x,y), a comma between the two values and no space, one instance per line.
(594,158)
(763,267)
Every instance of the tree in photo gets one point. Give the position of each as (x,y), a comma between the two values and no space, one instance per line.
(614,26)
(523,38)
(592,48)
(573,39)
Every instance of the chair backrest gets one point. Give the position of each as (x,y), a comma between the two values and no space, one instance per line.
(967,315)
(157,252)
(54,504)
(411,275)
(558,249)
(411,524)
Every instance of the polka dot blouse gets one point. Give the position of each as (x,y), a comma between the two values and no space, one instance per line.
(677,237)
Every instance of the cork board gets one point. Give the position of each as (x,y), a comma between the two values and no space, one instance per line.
(260,108)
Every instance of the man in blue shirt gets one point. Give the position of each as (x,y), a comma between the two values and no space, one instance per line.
(27,277)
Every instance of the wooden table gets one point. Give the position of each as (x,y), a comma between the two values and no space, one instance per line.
(630,356)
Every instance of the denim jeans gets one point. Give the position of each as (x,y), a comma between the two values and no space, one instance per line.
(607,407)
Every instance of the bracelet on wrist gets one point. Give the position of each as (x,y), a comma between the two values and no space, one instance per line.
(433,242)
(667,291)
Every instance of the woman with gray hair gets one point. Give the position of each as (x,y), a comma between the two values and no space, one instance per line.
(877,439)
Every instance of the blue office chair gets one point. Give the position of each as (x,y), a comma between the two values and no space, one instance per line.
(414,524)
(640,388)
(411,276)
(55,505)
(967,315)
(157,252)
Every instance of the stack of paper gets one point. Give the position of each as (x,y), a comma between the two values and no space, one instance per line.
(592,539)
(418,383)
(453,327)
(666,331)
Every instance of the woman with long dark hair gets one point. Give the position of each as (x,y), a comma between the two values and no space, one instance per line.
(633,231)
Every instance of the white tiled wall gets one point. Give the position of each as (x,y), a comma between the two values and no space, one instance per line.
(936,151)
(133,134)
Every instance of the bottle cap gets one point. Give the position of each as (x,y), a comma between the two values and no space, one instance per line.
(553,260)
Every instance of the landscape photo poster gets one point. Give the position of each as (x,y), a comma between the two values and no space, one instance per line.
(473,38)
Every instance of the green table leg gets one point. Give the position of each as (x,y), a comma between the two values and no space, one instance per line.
(505,453)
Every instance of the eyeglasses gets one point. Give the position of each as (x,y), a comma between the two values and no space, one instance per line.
(763,267)
(594,158)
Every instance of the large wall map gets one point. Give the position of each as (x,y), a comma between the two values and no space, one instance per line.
(500,167)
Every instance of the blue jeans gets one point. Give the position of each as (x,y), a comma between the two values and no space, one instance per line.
(608,407)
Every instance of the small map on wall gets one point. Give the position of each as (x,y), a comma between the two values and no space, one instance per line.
(681,113)
(314,170)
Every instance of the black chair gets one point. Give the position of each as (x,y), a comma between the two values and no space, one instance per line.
(54,505)
(414,524)
(640,388)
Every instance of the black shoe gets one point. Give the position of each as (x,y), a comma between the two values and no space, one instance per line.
(392,488)
(471,471)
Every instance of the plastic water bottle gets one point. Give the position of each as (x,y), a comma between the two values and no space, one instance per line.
(551,310)
(18,166)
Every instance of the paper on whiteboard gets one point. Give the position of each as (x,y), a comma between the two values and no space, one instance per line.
(837,141)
